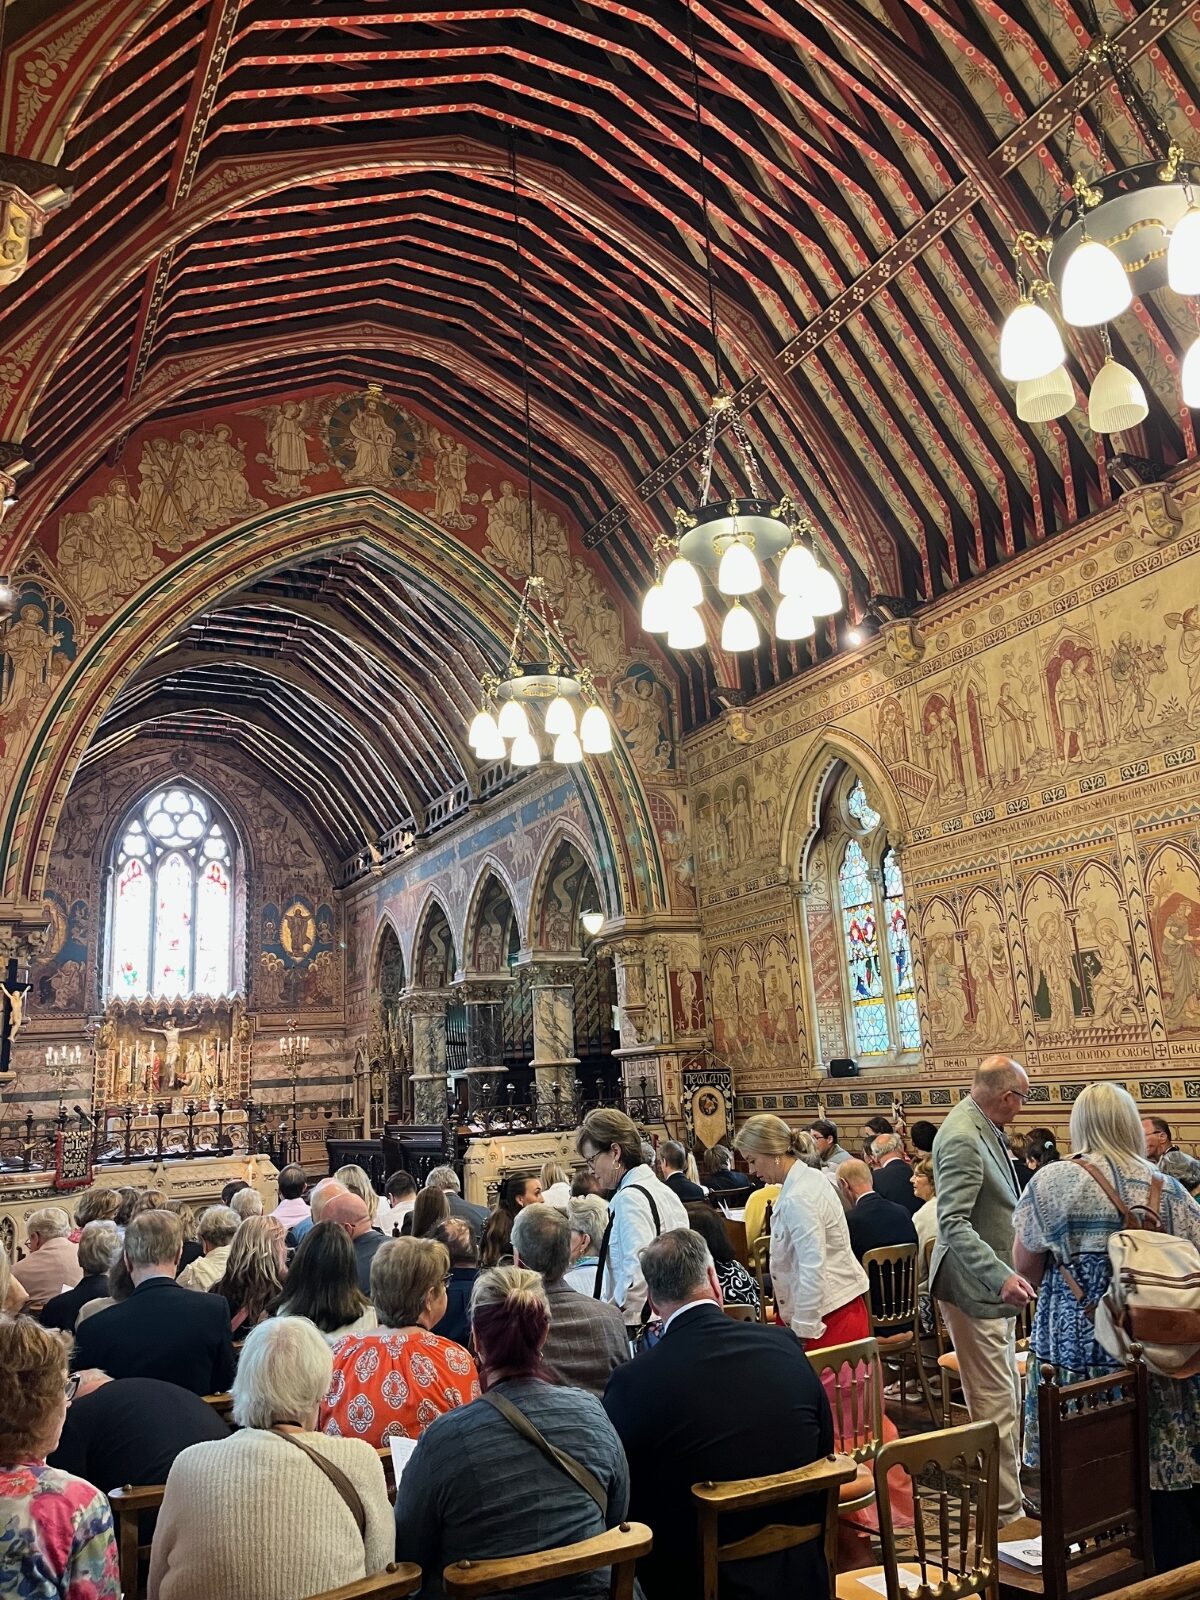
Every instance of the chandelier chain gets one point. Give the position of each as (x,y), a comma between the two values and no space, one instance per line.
(708,248)
(516,199)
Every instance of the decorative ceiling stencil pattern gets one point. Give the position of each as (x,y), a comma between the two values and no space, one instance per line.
(262,176)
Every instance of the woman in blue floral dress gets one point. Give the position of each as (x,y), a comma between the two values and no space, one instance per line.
(1065,1218)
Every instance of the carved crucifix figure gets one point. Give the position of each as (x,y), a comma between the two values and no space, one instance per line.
(172,1033)
(16,1009)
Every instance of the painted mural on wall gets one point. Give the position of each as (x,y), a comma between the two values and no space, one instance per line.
(299,965)
(60,978)
(1038,748)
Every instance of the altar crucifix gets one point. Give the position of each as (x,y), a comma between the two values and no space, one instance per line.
(14,1000)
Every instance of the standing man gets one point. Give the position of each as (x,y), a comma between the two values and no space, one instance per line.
(971,1269)
(672,1158)
(1168,1157)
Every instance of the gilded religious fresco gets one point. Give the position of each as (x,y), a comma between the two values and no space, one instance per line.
(1032,747)
(299,966)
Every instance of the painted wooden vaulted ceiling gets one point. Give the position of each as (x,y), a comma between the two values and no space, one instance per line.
(260,175)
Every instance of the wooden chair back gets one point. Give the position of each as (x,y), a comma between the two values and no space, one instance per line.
(955,1475)
(620,1549)
(222,1404)
(856,1396)
(715,1500)
(397,1578)
(760,1265)
(740,1313)
(1095,1449)
(128,1504)
(892,1298)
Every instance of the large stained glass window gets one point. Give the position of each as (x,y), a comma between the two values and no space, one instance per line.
(876,949)
(172,914)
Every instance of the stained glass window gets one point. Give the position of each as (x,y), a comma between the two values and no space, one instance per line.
(862,952)
(859,808)
(172,919)
(899,953)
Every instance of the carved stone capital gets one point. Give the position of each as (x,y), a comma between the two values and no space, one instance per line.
(481,989)
(554,974)
(423,1002)
(23,930)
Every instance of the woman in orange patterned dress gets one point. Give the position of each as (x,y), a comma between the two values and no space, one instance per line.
(398,1379)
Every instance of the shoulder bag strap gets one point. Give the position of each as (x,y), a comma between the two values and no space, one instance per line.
(339,1480)
(1123,1211)
(586,1480)
(1126,1215)
(1154,1203)
(598,1286)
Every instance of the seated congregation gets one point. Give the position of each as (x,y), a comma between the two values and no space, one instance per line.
(809,1377)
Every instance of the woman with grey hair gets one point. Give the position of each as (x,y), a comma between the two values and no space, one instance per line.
(587,1217)
(276,1510)
(1064,1220)
(99,1249)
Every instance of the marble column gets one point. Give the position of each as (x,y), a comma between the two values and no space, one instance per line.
(482,996)
(427,1019)
(552,991)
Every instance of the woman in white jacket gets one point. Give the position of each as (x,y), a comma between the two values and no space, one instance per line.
(641,1207)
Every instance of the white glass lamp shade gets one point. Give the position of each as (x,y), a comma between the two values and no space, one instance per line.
(794,620)
(739,572)
(560,716)
(1030,344)
(595,732)
(1095,286)
(567,748)
(825,598)
(1045,399)
(681,583)
(592,921)
(1183,253)
(1190,376)
(483,730)
(512,721)
(796,570)
(525,752)
(1117,400)
(687,630)
(493,748)
(740,631)
(656,610)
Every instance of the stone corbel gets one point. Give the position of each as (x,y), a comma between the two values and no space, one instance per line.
(30,193)
(23,931)
(1154,514)
(903,641)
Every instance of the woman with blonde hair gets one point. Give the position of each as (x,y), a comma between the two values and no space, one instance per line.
(477,1488)
(556,1184)
(398,1379)
(358,1181)
(1065,1219)
(818,1284)
(254,1273)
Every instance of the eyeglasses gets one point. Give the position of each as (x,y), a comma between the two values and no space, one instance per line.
(72,1387)
(447,1280)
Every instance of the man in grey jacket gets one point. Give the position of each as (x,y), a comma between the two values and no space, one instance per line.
(971,1269)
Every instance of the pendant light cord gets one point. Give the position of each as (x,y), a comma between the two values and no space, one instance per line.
(512,161)
(708,248)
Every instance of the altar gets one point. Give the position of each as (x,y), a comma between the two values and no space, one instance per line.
(198,1183)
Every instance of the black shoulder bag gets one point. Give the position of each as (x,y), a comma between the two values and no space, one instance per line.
(575,1470)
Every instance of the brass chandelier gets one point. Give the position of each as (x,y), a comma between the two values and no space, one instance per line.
(536,675)
(731,537)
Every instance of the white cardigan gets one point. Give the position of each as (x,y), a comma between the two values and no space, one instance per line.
(252,1518)
(632,1229)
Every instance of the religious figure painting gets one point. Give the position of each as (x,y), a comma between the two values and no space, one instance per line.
(451,458)
(290,433)
(1105,944)
(943,750)
(1173,894)
(1074,697)
(297,950)
(1059,991)
(1132,667)
(1188,624)
(687,1000)
(371,441)
(508,529)
(37,644)
(60,975)
(989,972)
(642,711)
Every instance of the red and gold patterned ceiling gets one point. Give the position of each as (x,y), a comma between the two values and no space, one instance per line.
(321,192)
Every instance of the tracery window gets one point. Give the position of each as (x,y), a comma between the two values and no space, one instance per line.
(172,899)
(875,947)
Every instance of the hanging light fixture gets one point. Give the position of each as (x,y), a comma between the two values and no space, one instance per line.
(728,539)
(536,673)
(1103,248)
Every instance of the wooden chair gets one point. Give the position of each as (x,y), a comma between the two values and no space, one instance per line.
(620,1548)
(760,1265)
(715,1500)
(948,1371)
(856,1401)
(955,1476)
(397,1578)
(892,1306)
(1181,1584)
(1095,1519)
(129,1503)
(222,1404)
(740,1313)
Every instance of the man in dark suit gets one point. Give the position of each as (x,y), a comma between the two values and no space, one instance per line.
(162,1330)
(672,1158)
(129,1430)
(874,1223)
(447,1179)
(893,1175)
(715,1399)
(349,1213)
